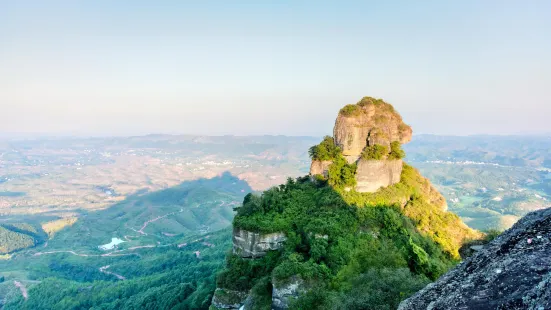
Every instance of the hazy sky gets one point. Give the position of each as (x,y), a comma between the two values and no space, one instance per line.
(242,67)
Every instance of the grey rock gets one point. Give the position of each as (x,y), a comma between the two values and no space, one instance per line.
(248,244)
(284,291)
(374,174)
(511,272)
(228,299)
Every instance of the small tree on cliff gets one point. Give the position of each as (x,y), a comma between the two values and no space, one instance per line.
(396,151)
(326,150)
(375,152)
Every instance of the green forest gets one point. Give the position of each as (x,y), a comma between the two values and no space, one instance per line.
(161,278)
(18,236)
(365,251)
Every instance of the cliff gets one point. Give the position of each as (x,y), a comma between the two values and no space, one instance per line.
(511,272)
(374,174)
(371,121)
(368,136)
(355,234)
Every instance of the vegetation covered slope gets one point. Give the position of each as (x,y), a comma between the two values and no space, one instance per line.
(158,278)
(18,236)
(353,250)
(168,258)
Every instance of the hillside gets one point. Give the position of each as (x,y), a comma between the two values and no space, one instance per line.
(153,250)
(326,241)
(18,236)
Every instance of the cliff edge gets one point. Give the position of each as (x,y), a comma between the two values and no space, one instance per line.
(511,272)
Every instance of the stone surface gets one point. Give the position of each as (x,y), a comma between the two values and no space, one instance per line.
(228,299)
(284,291)
(378,124)
(248,244)
(374,174)
(511,272)
(319,167)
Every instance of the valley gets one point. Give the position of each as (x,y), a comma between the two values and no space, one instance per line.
(170,200)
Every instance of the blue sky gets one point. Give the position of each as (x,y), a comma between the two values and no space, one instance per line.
(272,67)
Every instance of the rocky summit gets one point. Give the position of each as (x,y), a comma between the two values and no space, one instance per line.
(511,272)
(370,121)
(368,135)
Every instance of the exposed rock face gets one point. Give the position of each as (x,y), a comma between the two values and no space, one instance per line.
(320,167)
(248,244)
(285,291)
(374,174)
(370,121)
(228,299)
(511,272)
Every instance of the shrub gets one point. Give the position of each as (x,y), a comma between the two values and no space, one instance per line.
(326,150)
(350,110)
(341,173)
(375,152)
(396,151)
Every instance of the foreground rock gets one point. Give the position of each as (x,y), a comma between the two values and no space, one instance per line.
(511,272)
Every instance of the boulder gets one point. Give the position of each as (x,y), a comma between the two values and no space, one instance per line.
(511,272)
(374,174)
(248,244)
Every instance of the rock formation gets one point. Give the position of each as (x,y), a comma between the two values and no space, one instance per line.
(511,272)
(249,244)
(320,167)
(228,299)
(299,245)
(369,123)
(285,291)
(374,174)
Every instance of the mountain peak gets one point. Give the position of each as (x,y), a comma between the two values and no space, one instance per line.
(366,146)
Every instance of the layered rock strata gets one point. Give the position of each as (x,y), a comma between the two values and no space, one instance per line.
(248,244)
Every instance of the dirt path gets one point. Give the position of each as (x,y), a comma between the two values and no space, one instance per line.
(104,270)
(144,226)
(22,288)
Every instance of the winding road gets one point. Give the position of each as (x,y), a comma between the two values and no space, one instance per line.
(104,270)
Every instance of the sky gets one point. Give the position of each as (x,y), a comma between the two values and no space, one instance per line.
(106,67)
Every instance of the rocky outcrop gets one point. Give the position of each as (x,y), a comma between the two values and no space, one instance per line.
(248,244)
(228,299)
(374,174)
(320,167)
(370,121)
(284,291)
(511,272)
